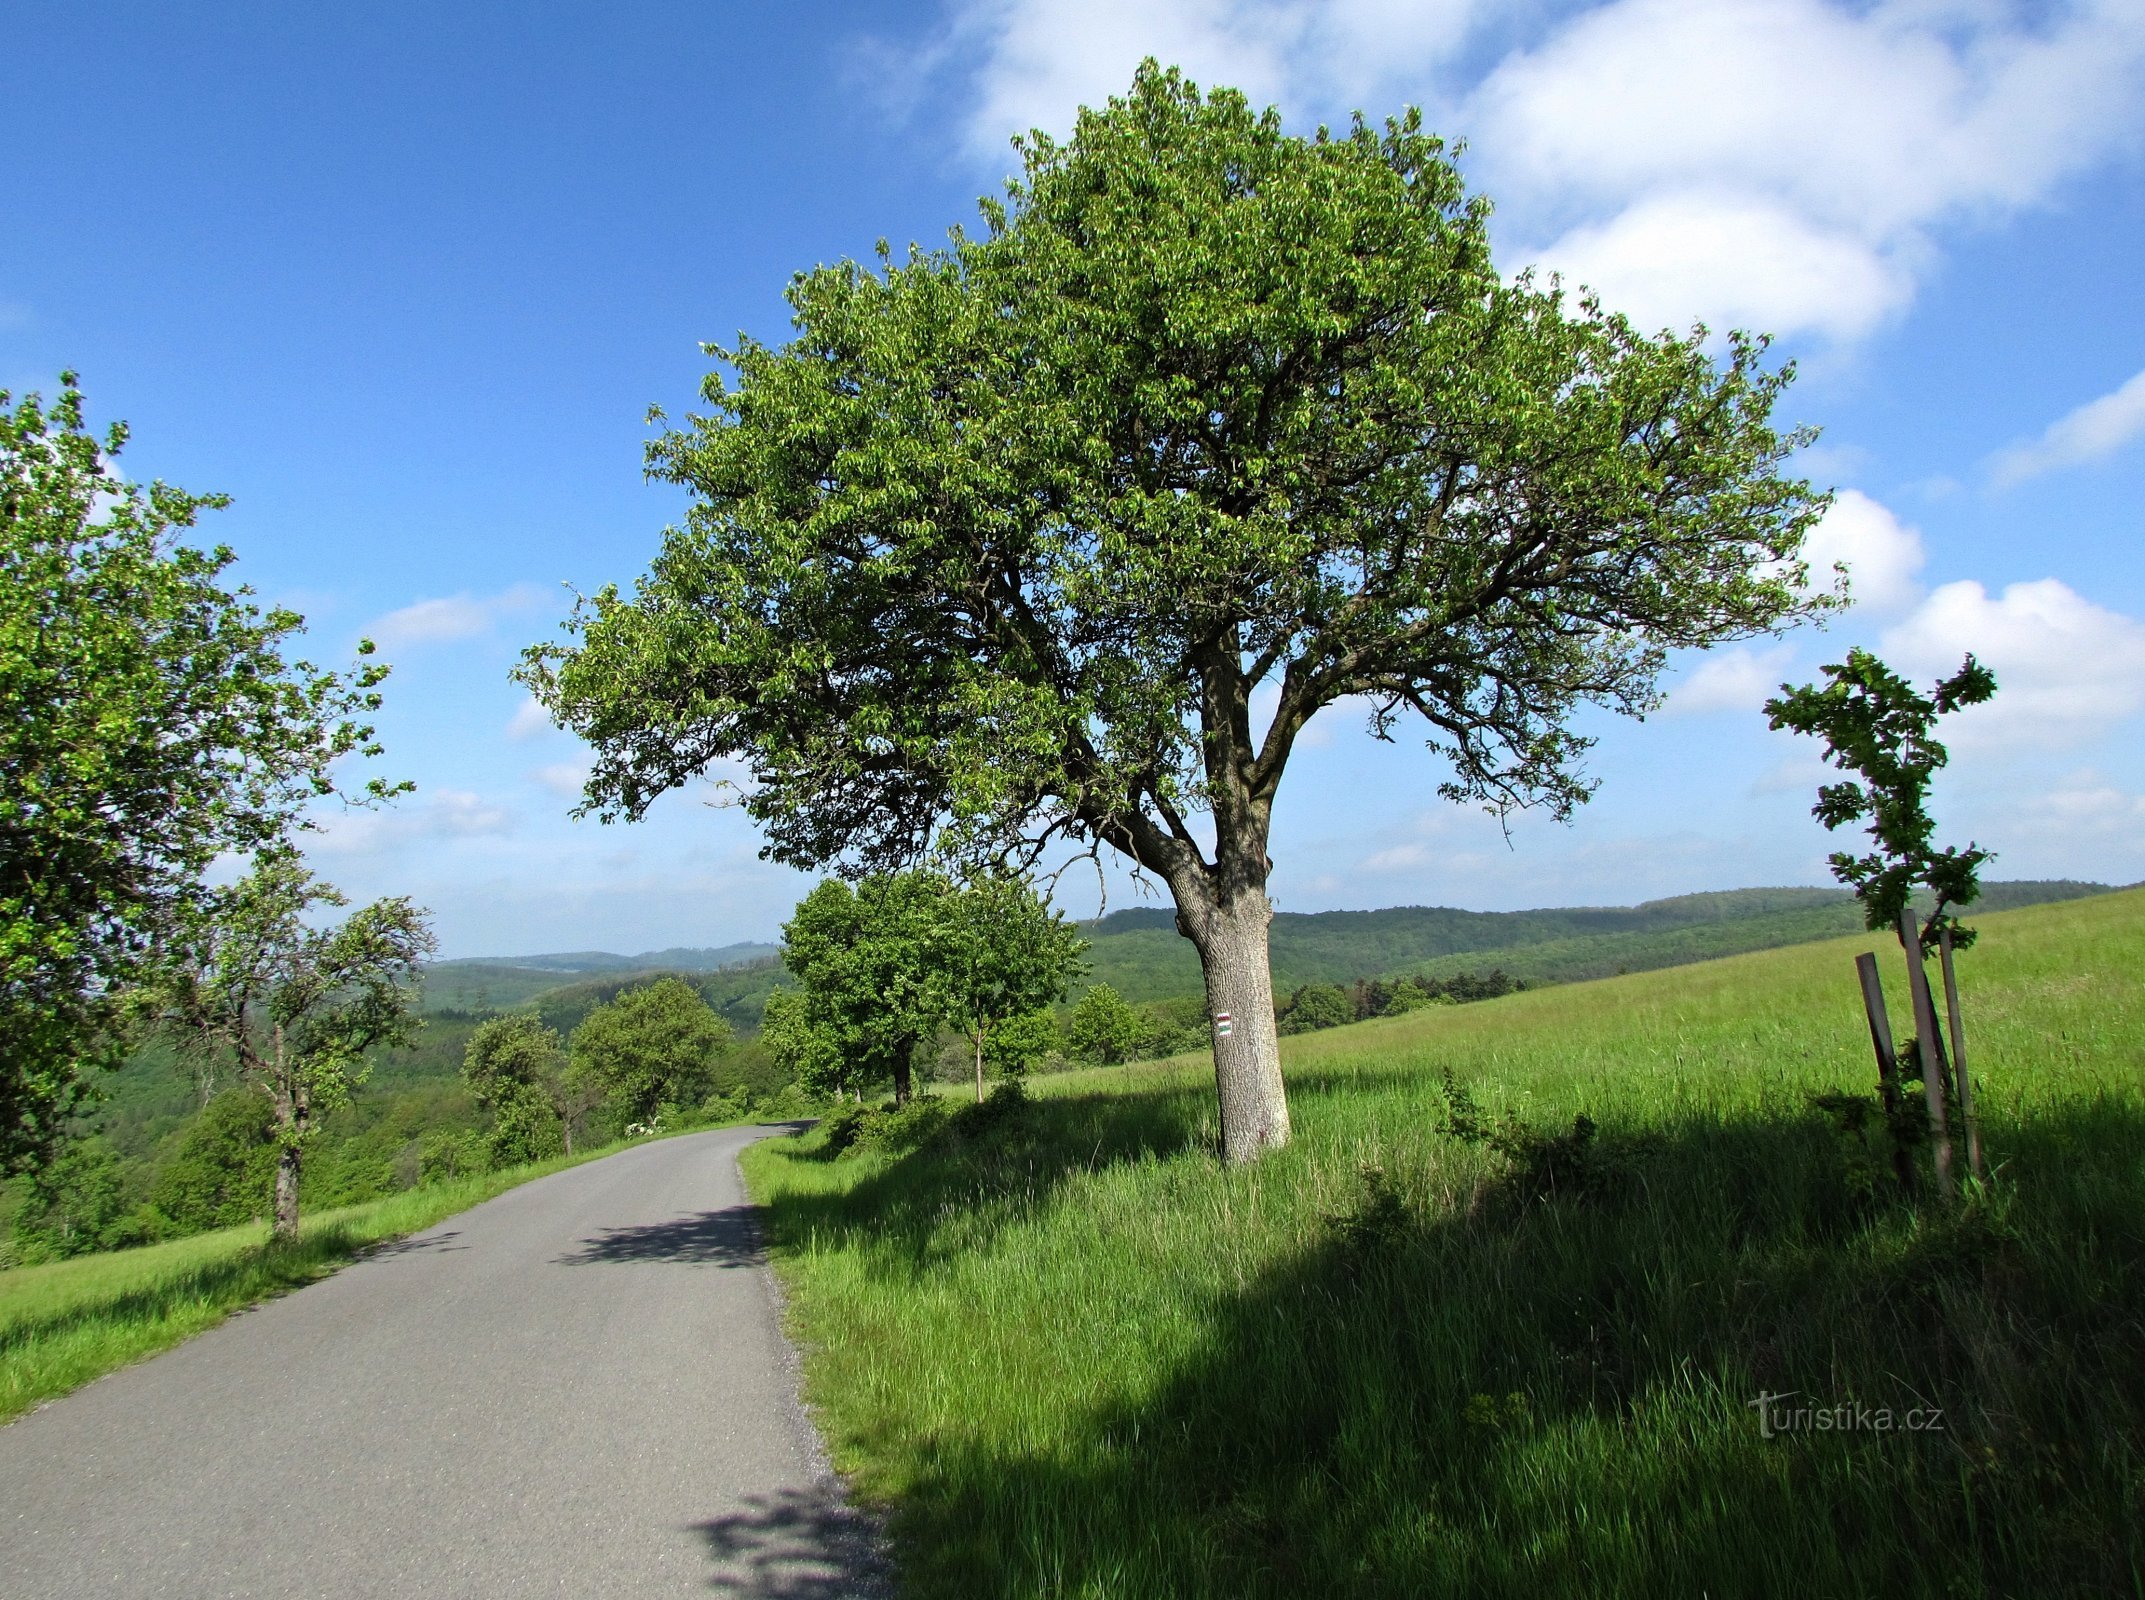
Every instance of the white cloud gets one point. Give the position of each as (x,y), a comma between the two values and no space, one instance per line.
(1735,261)
(2085,802)
(1735,679)
(564,778)
(1881,553)
(1782,163)
(453,617)
(1034,62)
(444,814)
(2096,429)
(2066,670)
(530,720)
(1779,164)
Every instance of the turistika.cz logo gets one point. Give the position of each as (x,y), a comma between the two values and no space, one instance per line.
(1775,1416)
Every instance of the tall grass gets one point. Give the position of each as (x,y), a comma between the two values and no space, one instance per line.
(64,1324)
(1077,1356)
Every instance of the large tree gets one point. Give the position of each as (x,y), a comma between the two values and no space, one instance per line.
(997,551)
(253,977)
(150,721)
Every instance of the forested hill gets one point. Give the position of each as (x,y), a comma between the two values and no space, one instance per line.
(1139,952)
(1141,955)
(498,983)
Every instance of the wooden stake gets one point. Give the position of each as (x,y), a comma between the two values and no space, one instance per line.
(1925,1039)
(1958,1056)
(1880,1038)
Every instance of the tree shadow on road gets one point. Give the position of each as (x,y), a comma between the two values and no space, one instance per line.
(726,1238)
(414,1244)
(796,1544)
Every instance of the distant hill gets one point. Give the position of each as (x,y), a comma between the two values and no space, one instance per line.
(497,983)
(1139,952)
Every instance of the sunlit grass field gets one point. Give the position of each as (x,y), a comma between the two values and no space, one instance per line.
(1075,1356)
(62,1325)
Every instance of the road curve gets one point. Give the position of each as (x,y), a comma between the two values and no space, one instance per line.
(580,1388)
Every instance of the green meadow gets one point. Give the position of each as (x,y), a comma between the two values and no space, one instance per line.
(1073,1355)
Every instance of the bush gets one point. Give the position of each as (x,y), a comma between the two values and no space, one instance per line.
(460,1153)
(525,1127)
(224,1171)
(1316,1005)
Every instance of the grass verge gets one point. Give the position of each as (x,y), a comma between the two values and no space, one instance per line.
(69,1322)
(1075,1356)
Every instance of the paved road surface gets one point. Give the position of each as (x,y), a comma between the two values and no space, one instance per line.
(578,1389)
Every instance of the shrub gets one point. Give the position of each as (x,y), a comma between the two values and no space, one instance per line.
(459,1153)
(224,1170)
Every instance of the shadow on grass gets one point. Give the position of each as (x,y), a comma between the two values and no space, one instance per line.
(726,1238)
(1537,1395)
(992,1167)
(796,1544)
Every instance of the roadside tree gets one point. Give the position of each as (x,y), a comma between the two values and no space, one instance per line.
(516,1068)
(1006,957)
(996,555)
(152,723)
(652,1047)
(870,964)
(291,1006)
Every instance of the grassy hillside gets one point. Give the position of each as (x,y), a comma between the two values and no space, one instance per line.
(1077,1356)
(1141,955)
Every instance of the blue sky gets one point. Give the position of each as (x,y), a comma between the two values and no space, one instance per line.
(404,279)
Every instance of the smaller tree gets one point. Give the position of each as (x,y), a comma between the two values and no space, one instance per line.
(802,1051)
(153,722)
(293,1007)
(224,1170)
(1876,726)
(1018,1043)
(871,963)
(1104,1028)
(653,1047)
(1006,956)
(515,1068)
(1317,1005)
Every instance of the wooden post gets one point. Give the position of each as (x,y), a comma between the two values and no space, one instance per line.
(1958,1057)
(1925,1039)
(1880,1038)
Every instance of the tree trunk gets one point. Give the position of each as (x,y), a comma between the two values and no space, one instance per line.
(979,1066)
(1231,937)
(903,1079)
(287,1164)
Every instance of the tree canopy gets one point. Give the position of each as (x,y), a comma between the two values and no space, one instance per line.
(654,1046)
(152,722)
(1007,957)
(871,965)
(993,555)
(251,976)
(1878,727)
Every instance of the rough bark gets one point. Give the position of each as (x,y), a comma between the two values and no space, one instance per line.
(1231,938)
(287,1164)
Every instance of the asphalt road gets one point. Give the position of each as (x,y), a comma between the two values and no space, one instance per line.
(580,1388)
